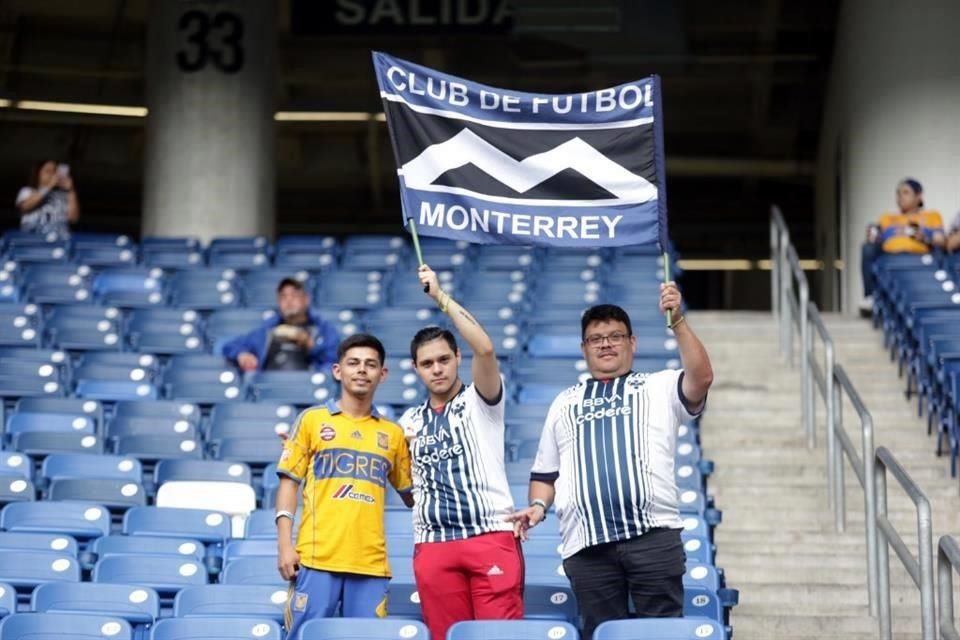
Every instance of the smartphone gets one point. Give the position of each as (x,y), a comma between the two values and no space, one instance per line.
(63,170)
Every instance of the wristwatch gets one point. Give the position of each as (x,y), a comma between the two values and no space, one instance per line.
(541,504)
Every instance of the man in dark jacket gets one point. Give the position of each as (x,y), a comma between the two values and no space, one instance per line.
(295,339)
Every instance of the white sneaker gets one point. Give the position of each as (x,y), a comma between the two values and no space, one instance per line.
(866,305)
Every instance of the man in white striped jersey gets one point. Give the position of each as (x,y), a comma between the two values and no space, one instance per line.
(606,459)
(467,561)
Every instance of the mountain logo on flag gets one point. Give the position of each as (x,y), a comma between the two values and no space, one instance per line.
(571,161)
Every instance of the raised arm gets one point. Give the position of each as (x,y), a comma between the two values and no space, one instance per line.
(697,371)
(486,369)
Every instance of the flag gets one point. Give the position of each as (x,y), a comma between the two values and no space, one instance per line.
(490,165)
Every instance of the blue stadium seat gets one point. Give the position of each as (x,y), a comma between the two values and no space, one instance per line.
(146,361)
(60,543)
(62,626)
(20,387)
(252,570)
(25,569)
(206,526)
(248,549)
(16,490)
(541,602)
(117,545)
(512,630)
(8,599)
(364,629)
(135,604)
(301,388)
(78,519)
(16,465)
(112,391)
(702,602)
(403,600)
(106,256)
(152,448)
(259,601)
(158,572)
(209,470)
(110,373)
(216,628)
(252,451)
(222,427)
(260,525)
(38,444)
(157,409)
(111,493)
(124,426)
(660,629)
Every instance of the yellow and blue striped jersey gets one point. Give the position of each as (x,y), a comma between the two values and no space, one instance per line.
(344,464)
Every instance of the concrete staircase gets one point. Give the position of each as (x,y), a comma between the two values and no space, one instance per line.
(798,578)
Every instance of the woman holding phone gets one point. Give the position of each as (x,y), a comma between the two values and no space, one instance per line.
(48,204)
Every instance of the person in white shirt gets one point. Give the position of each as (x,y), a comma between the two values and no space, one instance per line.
(48,205)
(606,460)
(467,560)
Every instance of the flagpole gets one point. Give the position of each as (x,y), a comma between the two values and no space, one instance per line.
(666,279)
(412,227)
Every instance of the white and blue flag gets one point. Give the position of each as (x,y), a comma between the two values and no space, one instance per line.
(490,165)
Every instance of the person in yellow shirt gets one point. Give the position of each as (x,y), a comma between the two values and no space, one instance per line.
(912,230)
(344,454)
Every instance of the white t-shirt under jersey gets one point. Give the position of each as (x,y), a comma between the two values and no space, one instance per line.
(460,486)
(609,448)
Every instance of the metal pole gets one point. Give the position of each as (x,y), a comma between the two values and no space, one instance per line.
(774,271)
(883,552)
(871,491)
(786,336)
(806,382)
(928,605)
(840,489)
(828,401)
(945,581)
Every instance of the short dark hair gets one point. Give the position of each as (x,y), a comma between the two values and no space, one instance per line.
(604,313)
(362,340)
(290,282)
(431,333)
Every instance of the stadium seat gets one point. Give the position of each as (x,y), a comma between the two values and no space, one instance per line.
(135,604)
(252,451)
(16,490)
(78,519)
(152,448)
(155,571)
(210,470)
(8,599)
(216,628)
(248,549)
(210,527)
(62,626)
(111,493)
(542,602)
(364,629)
(512,630)
(157,409)
(126,426)
(12,541)
(660,629)
(68,466)
(261,570)
(259,601)
(112,391)
(25,569)
(38,444)
(15,464)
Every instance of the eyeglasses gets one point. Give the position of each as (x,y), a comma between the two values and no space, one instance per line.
(615,338)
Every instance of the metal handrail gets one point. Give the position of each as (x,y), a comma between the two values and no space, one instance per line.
(824,380)
(792,310)
(948,561)
(920,568)
(863,468)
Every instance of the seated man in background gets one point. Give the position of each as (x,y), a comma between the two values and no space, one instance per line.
(912,230)
(294,339)
(953,235)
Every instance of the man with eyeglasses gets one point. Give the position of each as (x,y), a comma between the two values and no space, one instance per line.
(606,460)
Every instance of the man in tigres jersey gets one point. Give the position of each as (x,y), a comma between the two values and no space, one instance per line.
(344,454)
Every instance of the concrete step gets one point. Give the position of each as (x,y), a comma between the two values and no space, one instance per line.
(798,578)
